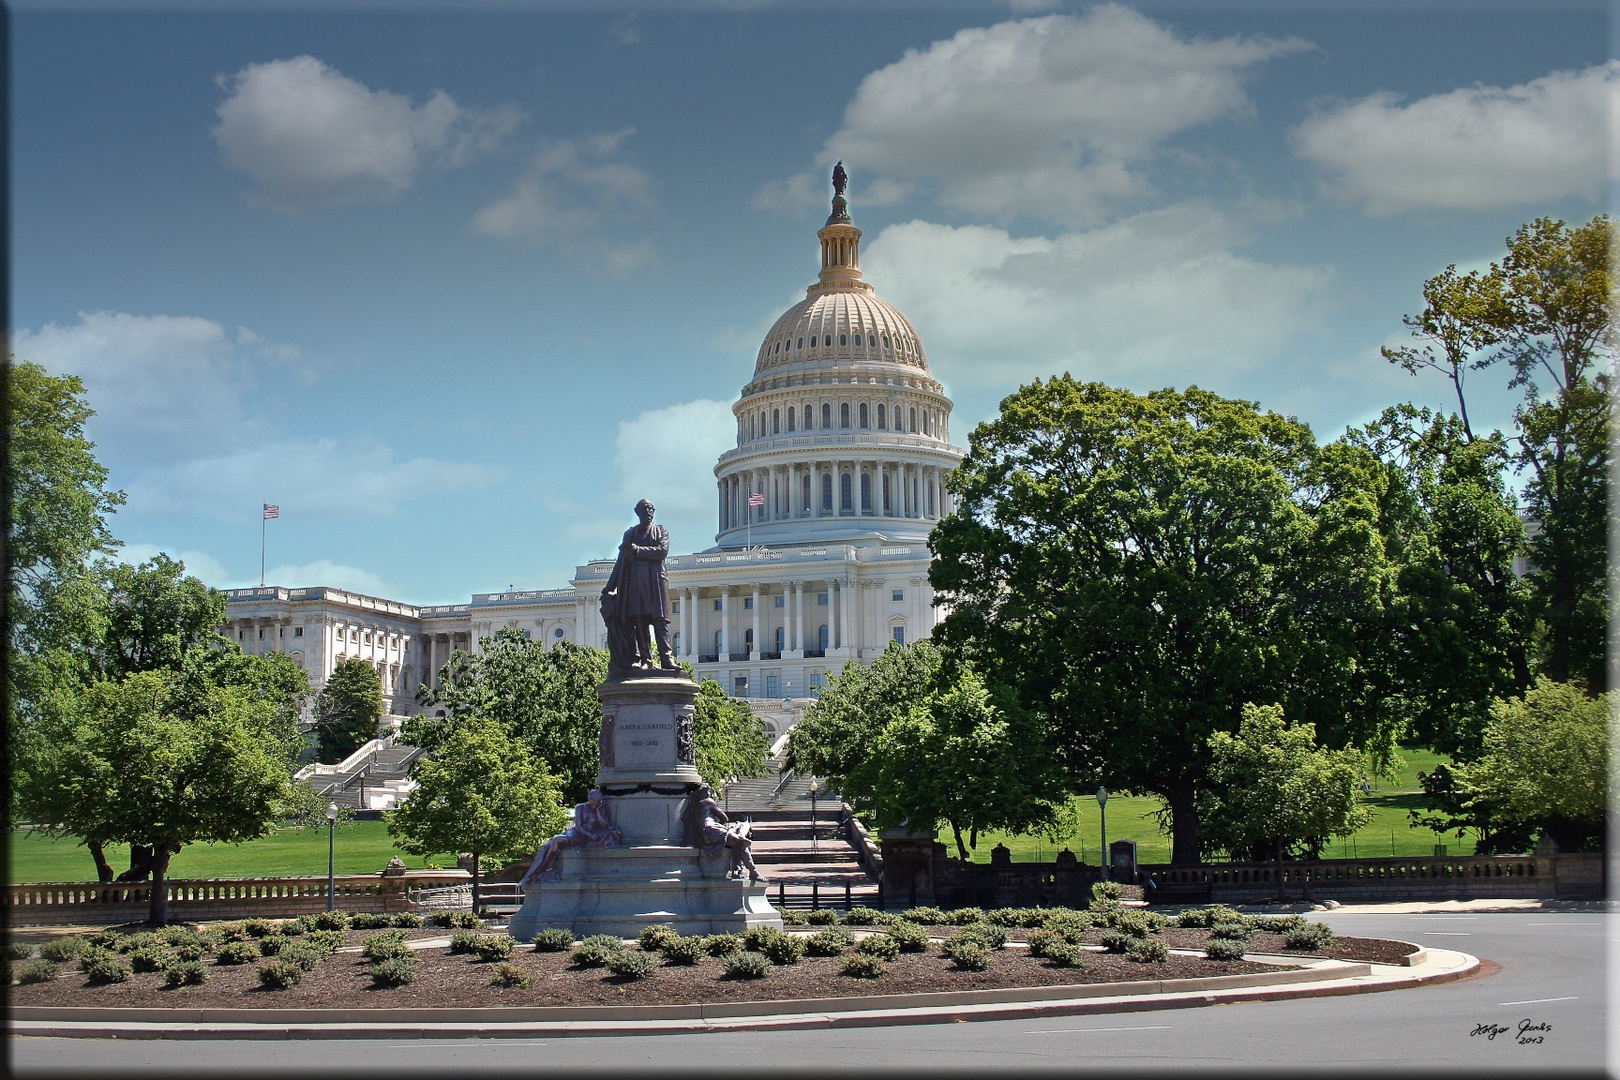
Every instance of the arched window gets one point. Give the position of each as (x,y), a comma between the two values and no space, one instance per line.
(882,424)
(826,417)
(885,341)
(846,505)
(926,414)
(866,493)
(776,421)
(857,339)
(913,421)
(807,493)
(843,339)
(886,504)
(864,424)
(843,415)
(821,638)
(718,634)
(748,639)
(801,343)
(781,634)
(750,426)
(827,341)
(826,492)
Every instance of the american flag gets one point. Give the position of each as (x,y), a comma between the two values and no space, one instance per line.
(271,511)
(756,498)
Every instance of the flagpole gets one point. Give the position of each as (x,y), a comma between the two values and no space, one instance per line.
(263,527)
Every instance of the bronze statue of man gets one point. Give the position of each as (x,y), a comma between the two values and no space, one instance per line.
(636,598)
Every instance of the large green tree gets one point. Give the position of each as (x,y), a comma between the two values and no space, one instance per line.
(1273,791)
(728,739)
(545,698)
(155,762)
(1138,568)
(347,710)
(480,792)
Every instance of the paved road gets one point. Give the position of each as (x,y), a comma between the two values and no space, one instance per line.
(1553,973)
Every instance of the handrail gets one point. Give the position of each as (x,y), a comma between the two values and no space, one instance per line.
(788,777)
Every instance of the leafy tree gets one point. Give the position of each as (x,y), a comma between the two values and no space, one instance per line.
(840,728)
(729,740)
(347,710)
(155,616)
(1138,568)
(1273,790)
(482,792)
(545,698)
(153,762)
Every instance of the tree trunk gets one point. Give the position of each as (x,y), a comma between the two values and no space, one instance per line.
(158,910)
(961,848)
(1184,843)
(104,870)
(475,883)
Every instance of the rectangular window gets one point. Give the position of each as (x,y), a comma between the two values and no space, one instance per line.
(898,595)
(675,607)
(717,606)
(739,686)
(900,634)
(818,682)
(773,686)
(748,603)
(821,599)
(298,631)
(261,633)
(781,601)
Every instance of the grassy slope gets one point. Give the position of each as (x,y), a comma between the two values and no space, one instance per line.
(1132,819)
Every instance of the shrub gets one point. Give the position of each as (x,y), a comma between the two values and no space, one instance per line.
(963,915)
(38,971)
(409,920)
(865,916)
(1203,918)
(303,954)
(151,958)
(554,939)
(746,965)
(280,974)
(329,920)
(192,952)
(822,917)
(986,934)
(142,940)
(382,946)
(924,916)
(596,950)
(1117,940)
(829,942)
(62,949)
(1040,939)
(258,927)
(492,947)
(1067,921)
(1310,936)
(783,949)
(909,936)
(293,928)
(654,936)
(104,939)
(628,964)
(1225,948)
(186,973)
(328,941)
(795,918)
(1032,917)
(1148,950)
(509,975)
(369,920)
(271,944)
(969,956)
(961,941)
(880,945)
(723,944)
(105,968)
(862,966)
(1007,917)
(445,919)
(1065,954)
(1136,923)
(1277,924)
(1234,931)
(462,941)
(16,950)
(682,951)
(755,937)
(394,971)
(237,952)
(1107,890)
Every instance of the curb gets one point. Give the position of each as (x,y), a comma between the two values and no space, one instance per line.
(1328,978)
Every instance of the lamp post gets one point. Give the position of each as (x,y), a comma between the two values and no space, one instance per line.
(331,856)
(815,789)
(1102,805)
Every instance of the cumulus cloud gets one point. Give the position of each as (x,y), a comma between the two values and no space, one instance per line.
(324,572)
(1475,148)
(317,476)
(164,387)
(1055,116)
(668,455)
(310,135)
(569,188)
(1163,297)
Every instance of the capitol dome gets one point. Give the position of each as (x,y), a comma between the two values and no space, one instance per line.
(842,433)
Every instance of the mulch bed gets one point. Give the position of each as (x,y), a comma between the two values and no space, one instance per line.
(460,981)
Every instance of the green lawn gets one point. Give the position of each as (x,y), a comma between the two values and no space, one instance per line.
(1388,834)
(363,847)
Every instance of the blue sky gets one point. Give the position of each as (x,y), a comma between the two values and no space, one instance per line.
(454,290)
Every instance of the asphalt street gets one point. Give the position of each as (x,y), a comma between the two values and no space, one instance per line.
(1546,1011)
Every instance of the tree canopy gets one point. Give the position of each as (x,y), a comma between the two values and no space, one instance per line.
(347,710)
(728,739)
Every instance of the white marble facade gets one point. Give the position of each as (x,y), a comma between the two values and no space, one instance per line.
(844,432)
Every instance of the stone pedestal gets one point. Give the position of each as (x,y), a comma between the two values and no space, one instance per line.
(654,875)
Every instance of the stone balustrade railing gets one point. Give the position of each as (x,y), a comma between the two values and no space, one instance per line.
(191,900)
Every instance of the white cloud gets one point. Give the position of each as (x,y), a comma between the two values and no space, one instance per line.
(199,564)
(1159,298)
(1475,148)
(309,135)
(325,572)
(668,455)
(164,387)
(319,477)
(571,185)
(1055,116)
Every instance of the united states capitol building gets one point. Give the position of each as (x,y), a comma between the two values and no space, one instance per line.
(843,432)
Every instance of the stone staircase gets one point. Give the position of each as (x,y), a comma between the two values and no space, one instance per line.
(800,843)
(387,764)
